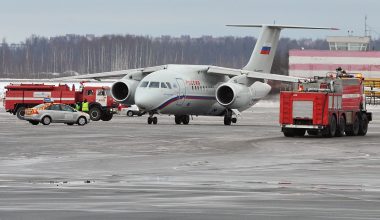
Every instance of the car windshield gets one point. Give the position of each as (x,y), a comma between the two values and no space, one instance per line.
(40,105)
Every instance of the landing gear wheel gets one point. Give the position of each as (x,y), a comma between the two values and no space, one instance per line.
(46,120)
(154,120)
(34,122)
(353,130)
(363,125)
(185,119)
(234,120)
(177,119)
(331,128)
(82,121)
(150,120)
(227,120)
(20,113)
(95,114)
(341,126)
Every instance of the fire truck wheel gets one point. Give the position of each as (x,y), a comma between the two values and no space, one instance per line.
(82,121)
(46,120)
(312,132)
(288,132)
(363,125)
(299,132)
(331,128)
(95,113)
(341,126)
(20,113)
(353,130)
(107,117)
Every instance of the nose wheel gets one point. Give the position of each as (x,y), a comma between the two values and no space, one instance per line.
(152,120)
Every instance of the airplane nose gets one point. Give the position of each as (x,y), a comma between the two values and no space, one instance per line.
(144,102)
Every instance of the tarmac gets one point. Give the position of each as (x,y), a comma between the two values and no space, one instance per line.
(127,169)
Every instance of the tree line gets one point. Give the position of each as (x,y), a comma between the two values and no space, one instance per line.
(41,57)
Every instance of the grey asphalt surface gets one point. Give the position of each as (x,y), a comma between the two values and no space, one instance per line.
(127,169)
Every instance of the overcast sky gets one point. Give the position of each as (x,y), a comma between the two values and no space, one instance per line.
(21,18)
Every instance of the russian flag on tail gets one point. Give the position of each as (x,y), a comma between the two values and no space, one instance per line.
(265,50)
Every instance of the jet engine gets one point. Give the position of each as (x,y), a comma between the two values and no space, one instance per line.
(238,96)
(123,91)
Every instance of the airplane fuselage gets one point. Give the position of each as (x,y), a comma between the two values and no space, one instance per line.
(181,90)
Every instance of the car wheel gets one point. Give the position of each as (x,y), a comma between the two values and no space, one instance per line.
(129,113)
(20,113)
(82,121)
(46,120)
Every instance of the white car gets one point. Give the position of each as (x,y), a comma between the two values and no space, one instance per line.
(55,113)
(131,111)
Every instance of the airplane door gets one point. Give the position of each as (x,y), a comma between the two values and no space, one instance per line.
(181,91)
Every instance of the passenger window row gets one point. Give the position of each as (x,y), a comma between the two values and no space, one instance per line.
(164,85)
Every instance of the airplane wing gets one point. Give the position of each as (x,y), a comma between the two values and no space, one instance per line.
(114,74)
(252,74)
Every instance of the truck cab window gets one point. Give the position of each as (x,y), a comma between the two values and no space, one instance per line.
(101,92)
(90,92)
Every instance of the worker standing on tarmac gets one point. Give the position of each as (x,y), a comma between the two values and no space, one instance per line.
(78,106)
(85,106)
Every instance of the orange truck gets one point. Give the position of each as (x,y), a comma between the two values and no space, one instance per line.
(18,97)
(328,106)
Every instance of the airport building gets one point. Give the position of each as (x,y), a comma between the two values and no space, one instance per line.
(349,52)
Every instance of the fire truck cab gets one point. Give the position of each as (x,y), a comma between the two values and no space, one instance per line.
(331,106)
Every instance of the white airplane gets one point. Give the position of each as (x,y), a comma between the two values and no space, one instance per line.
(186,90)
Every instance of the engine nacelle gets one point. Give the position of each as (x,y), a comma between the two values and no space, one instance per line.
(238,96)
(123,91)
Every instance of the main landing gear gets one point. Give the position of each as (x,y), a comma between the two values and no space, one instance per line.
(152,119)
(228,119)
(185,119)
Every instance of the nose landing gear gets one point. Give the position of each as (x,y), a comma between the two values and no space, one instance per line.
(152,119)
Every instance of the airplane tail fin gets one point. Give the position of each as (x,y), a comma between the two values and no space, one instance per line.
(263,54)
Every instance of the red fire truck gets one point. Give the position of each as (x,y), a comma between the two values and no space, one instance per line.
(331,106)
(21,96)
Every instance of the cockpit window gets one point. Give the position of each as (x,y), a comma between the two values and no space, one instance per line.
(163,85)
(154,85)
(169,86)
(144,84)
